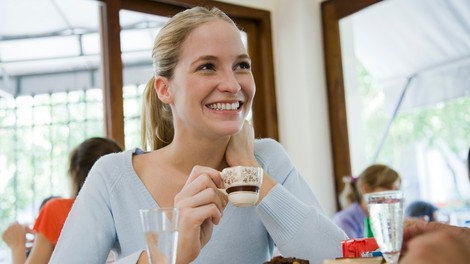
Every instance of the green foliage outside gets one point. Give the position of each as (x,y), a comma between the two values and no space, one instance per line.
(447,122)
(37,134)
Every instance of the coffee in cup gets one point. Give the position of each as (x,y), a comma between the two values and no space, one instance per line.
(242,184)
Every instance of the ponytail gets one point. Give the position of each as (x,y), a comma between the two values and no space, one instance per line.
(157,124)
(350,194)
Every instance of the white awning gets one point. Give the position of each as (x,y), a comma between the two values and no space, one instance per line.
(49,45)
(424,41)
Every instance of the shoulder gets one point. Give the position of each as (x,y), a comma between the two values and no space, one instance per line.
(267,144)
(268,149)
(59,202)
(273,158)
(347,213)
(112,158)
(109,170)
(113,163)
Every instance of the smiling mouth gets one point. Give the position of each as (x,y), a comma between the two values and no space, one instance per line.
(225,106)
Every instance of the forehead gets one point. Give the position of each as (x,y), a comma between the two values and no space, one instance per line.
(214,36)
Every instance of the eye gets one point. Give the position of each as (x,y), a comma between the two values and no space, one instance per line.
(207,67)
(243,65)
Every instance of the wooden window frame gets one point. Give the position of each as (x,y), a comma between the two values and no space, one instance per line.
(256,23)
(332,11)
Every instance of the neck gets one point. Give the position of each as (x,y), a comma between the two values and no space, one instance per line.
(364,206)
(185,154)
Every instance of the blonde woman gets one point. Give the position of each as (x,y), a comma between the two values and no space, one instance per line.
(193,127)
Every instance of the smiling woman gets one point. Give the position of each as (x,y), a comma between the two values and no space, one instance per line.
(50,85)
(190,144)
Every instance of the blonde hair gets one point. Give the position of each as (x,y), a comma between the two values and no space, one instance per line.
(375,176)
(157,120)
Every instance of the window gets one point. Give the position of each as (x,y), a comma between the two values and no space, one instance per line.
(386,107)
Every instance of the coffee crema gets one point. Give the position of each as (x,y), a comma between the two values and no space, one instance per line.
(243,188)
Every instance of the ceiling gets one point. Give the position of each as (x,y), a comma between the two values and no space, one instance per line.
(45,44)
(422,43)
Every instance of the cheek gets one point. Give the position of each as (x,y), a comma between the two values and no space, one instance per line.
(248,86)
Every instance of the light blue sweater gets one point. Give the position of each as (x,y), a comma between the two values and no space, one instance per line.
(105,216)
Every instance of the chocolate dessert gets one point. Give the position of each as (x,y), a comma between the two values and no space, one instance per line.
(283,260)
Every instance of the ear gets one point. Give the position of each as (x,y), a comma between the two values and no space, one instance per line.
(162,89)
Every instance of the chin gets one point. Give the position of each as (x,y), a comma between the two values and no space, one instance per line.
(228,128)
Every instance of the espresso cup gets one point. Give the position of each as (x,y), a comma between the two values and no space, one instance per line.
(242,184)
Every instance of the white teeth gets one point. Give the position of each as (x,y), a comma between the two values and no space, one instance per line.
(222,106)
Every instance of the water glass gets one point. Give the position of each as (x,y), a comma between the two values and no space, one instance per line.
(386,218)
(160,226)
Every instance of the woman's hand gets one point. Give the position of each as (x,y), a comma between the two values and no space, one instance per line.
(201,205)
(241,148)
(241,152)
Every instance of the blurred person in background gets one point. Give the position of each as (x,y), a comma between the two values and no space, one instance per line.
(353,219)
(54,212)
(421,209)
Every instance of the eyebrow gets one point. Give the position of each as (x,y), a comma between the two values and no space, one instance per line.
(214,58)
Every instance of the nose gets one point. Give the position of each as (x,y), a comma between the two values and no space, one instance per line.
(229,82)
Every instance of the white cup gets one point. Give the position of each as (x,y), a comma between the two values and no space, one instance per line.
(242,184)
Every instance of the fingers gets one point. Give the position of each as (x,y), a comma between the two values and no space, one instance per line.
(204,197)
(213,174)
(240,149)
(200,191)
(28,229)
(197,216)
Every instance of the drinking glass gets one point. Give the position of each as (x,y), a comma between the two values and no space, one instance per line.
(160,226)
(386,218)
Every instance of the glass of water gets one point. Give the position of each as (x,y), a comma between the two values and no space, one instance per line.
(160,226)
(386,218)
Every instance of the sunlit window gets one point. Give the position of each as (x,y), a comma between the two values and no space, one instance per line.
(407,105)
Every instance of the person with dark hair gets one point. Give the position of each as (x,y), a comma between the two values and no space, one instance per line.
(375,178)
(421,209)
(53,213)
(194,126)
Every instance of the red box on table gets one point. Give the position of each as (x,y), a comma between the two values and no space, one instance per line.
(353,248)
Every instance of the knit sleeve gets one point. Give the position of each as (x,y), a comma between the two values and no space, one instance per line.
(291,212)
(88,233)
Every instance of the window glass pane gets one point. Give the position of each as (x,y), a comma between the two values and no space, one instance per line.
(138,35)
(417,123)
(47,105)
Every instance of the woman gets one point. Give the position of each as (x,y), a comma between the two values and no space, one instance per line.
(194,122)
(375,178)
(53,213)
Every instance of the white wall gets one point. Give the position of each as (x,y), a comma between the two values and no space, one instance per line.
(301,90)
